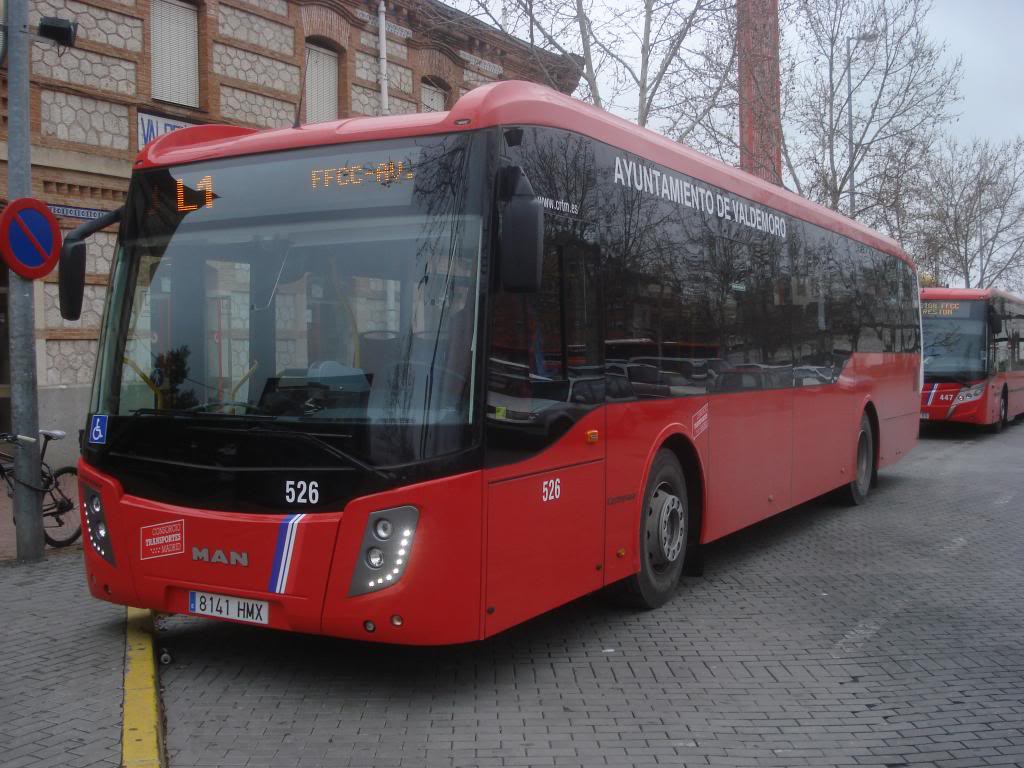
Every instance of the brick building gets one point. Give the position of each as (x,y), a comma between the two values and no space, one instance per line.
(143,67)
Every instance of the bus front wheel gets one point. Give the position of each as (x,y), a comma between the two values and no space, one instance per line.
(664,535)
(1003,415)
(864,467)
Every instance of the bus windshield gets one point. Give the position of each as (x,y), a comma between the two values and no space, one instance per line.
(955,335)
(306,290)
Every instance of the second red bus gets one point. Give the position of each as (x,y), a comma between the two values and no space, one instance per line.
(973,356)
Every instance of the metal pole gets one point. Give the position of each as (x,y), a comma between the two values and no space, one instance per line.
(21,314)
(382,24)
(849,124)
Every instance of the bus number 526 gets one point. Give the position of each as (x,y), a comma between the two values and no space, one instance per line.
(301,492)
(550,489)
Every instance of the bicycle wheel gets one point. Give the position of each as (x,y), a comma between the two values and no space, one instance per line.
(62,522)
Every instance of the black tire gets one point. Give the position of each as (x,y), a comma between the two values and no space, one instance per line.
(665,528)
(856,492)
(1001,422)
(62,521)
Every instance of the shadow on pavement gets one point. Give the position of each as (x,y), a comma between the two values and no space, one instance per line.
(946,430)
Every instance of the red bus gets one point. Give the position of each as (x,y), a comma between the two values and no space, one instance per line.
(973,356)
(367,378)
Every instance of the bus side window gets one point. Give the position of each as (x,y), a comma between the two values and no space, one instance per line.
(544,372)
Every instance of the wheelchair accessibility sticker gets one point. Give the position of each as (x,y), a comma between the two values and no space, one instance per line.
(98,429)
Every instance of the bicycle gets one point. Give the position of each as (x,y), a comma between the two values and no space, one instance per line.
(62,524)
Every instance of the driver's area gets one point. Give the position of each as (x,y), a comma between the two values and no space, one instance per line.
(370,324)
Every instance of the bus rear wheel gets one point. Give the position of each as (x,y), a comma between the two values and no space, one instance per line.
(864,467)
(664,535)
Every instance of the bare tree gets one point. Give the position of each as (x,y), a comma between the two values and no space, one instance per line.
(634,54)
(972,229)
(902,90)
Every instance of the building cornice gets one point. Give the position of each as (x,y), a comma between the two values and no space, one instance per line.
(455,33)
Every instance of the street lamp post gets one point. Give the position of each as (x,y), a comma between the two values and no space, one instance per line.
(867,37)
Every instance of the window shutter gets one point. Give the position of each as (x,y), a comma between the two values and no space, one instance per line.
(433,98)
(174,29)
(321,84)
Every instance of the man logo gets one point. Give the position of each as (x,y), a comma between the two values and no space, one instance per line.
(232,558)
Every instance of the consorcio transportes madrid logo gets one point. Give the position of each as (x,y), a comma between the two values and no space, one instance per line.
(162,539)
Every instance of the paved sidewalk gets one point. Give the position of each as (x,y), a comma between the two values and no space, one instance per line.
(8,544)
(8,532)
(61,667)
(886,635)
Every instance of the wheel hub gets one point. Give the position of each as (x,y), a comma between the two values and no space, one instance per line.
(671,532)
(863,463)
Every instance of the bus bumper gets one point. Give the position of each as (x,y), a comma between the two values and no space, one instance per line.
(938,403)
(298,567)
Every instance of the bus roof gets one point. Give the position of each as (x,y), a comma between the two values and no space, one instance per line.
(967,294)
(507,102)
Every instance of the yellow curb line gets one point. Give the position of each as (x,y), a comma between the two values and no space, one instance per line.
(141,730)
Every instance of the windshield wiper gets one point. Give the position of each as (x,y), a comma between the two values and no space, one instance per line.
(323,444)
(249,407)
(192,412)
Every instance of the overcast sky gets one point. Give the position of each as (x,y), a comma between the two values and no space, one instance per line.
(989,34)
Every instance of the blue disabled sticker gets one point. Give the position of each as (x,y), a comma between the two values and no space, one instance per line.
(98,429)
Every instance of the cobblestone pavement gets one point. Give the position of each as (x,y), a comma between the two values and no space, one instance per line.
(61,667)
(886,635)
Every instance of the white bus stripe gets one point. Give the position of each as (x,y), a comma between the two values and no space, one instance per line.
(284,555)
(289,550)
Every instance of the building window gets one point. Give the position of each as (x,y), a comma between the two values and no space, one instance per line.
(433,96)
(321,84)
(175,51)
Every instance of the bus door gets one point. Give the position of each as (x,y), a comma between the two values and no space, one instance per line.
(545,433)
(1013,329)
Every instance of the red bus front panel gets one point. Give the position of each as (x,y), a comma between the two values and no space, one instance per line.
(301,565)
(954,402)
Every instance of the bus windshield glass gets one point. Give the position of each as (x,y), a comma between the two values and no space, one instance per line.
(312,290)
(955,334)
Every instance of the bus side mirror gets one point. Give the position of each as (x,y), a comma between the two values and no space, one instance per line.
(71,270)
(71,279)
(522,234)
(995,321)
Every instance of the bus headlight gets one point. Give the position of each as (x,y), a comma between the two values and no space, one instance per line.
(383,528)
(375,557)
(384,556)
(96,524)
(969,395)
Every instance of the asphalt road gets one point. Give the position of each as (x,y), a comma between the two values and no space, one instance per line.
(886,635)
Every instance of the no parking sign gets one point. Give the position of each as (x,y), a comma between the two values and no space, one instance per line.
(29,238)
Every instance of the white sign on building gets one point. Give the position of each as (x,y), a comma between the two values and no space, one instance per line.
(151,126)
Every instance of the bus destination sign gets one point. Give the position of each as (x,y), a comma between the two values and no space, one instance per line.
(945,309)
